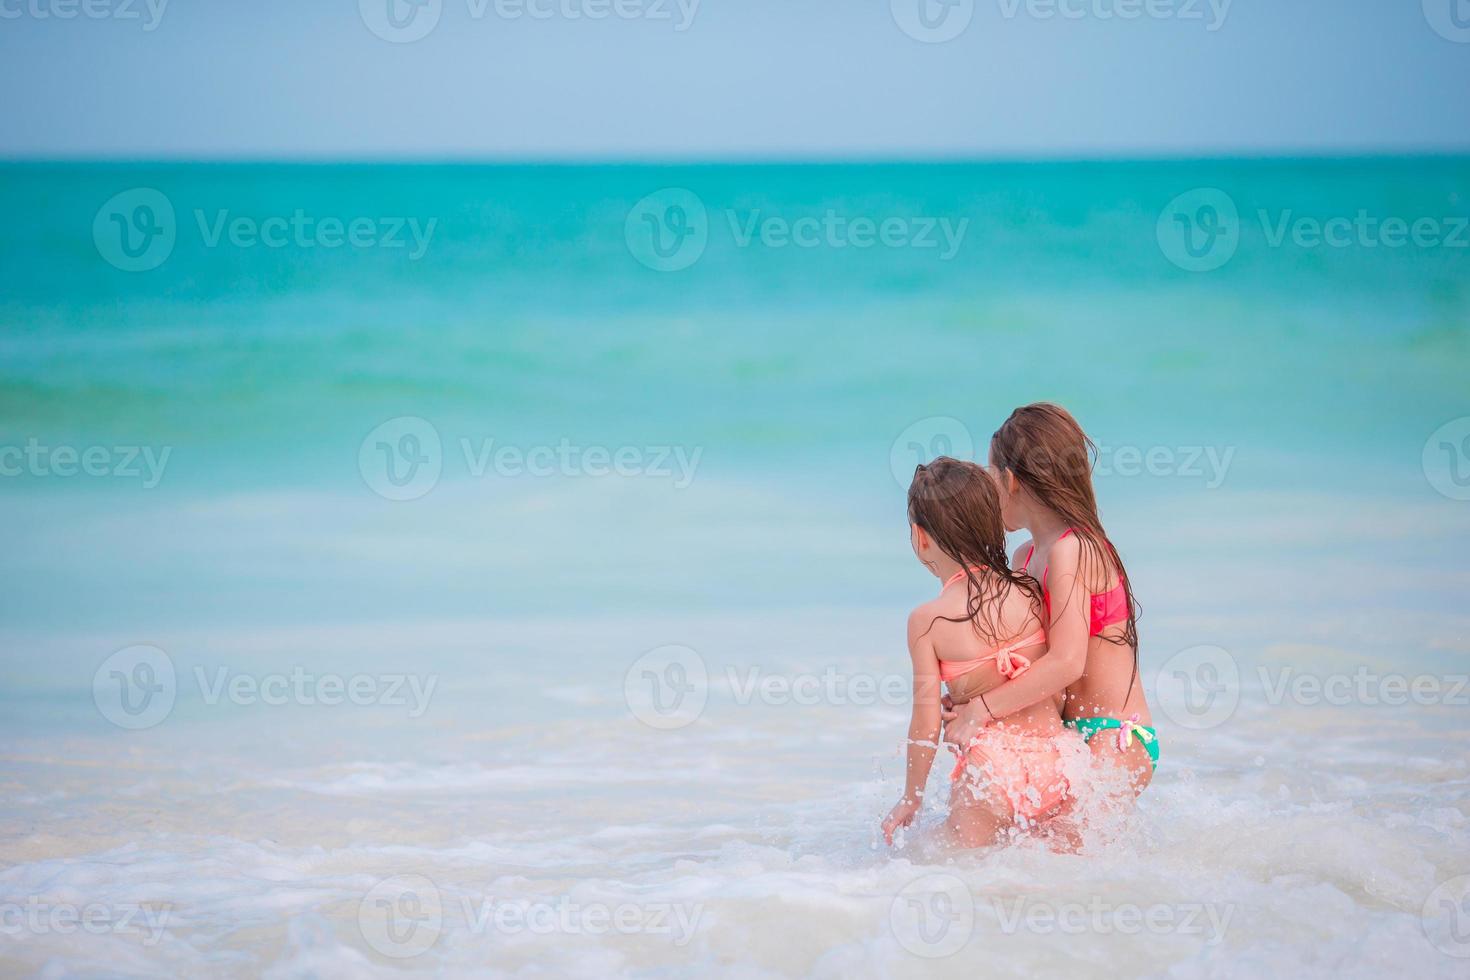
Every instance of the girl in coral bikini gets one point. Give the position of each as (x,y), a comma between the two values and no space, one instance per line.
(984,628)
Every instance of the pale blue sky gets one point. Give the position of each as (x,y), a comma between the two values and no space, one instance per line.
(745,79)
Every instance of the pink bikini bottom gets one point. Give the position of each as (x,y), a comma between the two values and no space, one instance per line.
(1025,769)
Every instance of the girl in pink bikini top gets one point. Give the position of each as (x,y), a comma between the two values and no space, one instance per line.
(1107,607)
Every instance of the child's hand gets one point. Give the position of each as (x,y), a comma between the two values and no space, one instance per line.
(961,728)
(902,815)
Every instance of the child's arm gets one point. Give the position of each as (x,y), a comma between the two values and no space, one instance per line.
(1066,637)
(923,723)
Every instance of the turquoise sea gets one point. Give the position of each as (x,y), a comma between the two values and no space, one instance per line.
(294,381)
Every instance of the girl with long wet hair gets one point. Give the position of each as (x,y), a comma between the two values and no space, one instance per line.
(1042,464)
(984,626)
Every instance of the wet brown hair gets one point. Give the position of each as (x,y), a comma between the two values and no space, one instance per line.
(1052,457)
(957,504)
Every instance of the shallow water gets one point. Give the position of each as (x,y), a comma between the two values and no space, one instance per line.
(641,724)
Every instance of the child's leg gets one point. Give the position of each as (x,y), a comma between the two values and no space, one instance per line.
(978,814)
(1134,761)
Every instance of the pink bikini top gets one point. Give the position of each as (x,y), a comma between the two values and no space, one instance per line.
(1107,607)
(1007,660)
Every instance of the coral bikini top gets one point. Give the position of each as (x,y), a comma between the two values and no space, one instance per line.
(1007,660)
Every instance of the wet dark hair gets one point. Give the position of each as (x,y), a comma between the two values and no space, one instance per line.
(957,504)
(1052,457)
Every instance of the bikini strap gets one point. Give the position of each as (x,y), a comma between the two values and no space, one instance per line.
(1027,563)
(959,575)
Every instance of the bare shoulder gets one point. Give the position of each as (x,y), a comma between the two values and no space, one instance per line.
(922,616)
(1065,554)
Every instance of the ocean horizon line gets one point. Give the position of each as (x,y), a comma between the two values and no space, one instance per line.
(1448,154)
